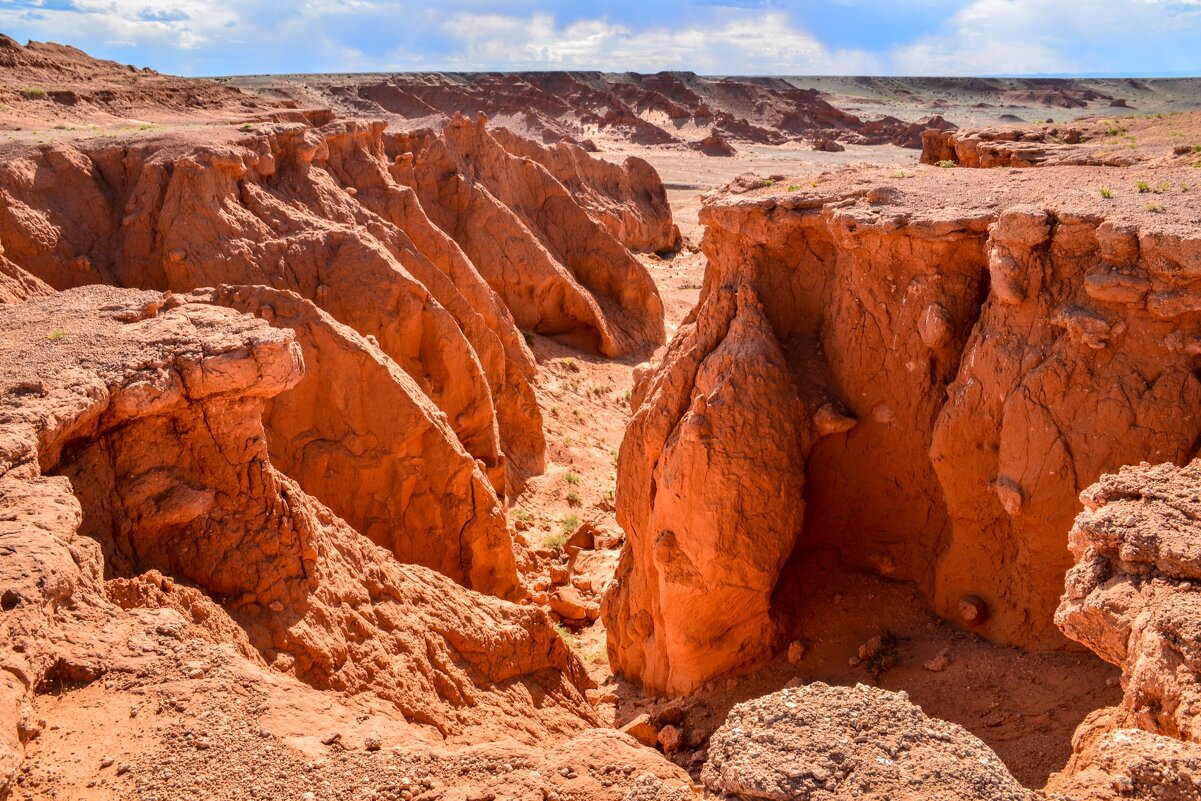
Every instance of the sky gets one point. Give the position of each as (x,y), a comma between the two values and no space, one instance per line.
(715,37)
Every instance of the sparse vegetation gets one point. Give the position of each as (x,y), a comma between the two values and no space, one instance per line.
(246,127)
(57,335)
(1143,187)
(886,657)
(1155,207)
(528,336)
(555,542)
(570,524)
(572,479)
(573,498)
(569,639)
(522,515)
(794,187)
(1106,192)
(33,94)
(945,163)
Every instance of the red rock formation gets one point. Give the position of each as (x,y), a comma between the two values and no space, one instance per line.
(663,109)
(725,409)
(359,435)
(628,198)
(317,212)
(1017,147)
(557,270)
(132,445)
(933,355)
(17,285)
(44,82)
(715,145)
(1133,598)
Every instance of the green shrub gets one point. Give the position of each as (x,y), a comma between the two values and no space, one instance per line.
(570,524)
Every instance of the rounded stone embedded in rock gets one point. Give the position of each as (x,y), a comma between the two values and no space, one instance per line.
(973,610)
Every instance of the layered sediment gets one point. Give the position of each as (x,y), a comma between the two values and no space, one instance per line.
(942,381)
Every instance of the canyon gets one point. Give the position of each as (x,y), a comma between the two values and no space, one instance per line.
(588,436)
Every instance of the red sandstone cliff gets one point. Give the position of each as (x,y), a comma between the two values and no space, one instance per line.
(956,374)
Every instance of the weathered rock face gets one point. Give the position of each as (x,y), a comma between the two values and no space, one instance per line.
(704,549)
(133,455)
(1016,147)
(1134,597)
(628,198)
(1086,332)
(960,375)
(17,285)
(315,213)
(666,108)
(557,270)
(821,742)
(359,435)
(318,211)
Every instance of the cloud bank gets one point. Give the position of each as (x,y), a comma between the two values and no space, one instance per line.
(917,37)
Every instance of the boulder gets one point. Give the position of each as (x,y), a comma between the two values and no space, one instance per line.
(830,743)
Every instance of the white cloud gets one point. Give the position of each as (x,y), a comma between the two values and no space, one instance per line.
(731,43)
(1035,36)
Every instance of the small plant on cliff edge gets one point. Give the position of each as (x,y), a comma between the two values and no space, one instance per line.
(794,187)
(1106,192)
(529,337)
(946,163)
(570,524)
(886,657)
(566,636)
(522,515)
(555,542)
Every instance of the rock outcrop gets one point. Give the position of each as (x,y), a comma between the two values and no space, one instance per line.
(558,271)
(821,742)
(666,109)
(1133,597)
(628,198)
(726,410)
(135,471)
(960,374)
(360,436)
(318,211)
(1019,147)
(44,83)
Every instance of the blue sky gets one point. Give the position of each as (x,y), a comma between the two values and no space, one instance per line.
(880,37)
